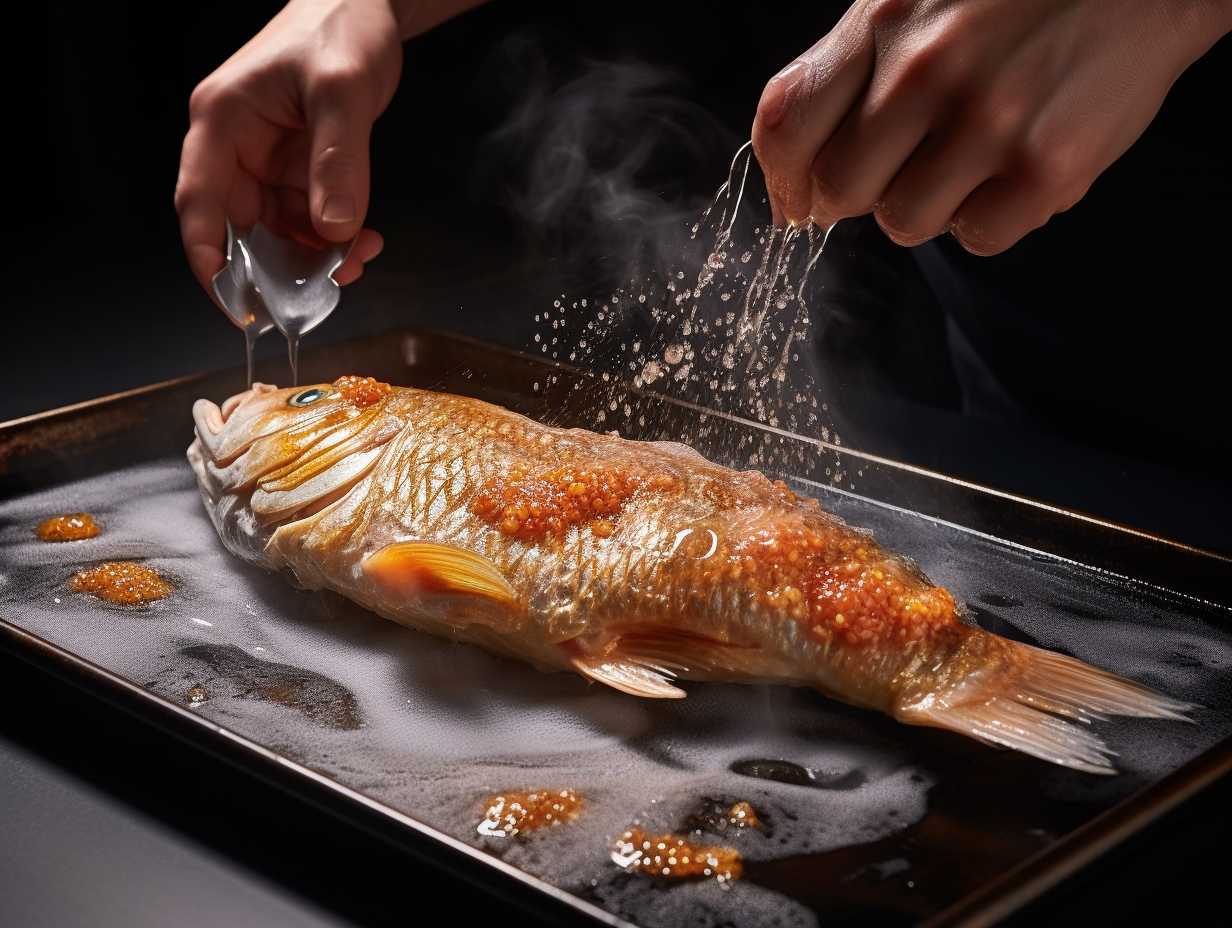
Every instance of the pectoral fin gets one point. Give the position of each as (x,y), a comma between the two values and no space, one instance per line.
(416,568)
(628,676)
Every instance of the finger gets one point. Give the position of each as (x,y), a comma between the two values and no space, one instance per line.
(348,272)
(857,164)
(921,200)
(999,212)
(367,246)
(285,213)
(802,106)
(340,123)
(208,167)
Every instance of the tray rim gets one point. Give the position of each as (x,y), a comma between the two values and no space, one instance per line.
(100,402)
(1025,882)
(211,737)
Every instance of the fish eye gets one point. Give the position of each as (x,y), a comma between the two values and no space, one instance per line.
(309,396)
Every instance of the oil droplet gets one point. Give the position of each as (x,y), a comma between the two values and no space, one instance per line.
(72,527)
(651,371)
(673,354)
(122,582)
(196,695)
(512,814)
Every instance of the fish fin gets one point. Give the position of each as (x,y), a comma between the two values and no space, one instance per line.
(415,568)
(685,653)
(628,675)
(1019,709)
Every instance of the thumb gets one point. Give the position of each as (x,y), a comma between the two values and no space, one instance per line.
(338,169)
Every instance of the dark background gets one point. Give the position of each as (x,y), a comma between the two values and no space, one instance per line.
(1087,367)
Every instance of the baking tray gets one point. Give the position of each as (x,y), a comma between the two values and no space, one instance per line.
(980,832)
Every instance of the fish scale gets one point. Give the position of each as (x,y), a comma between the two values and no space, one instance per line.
(579,551)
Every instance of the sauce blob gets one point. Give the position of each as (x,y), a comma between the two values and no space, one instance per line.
(73,526)
(124,582)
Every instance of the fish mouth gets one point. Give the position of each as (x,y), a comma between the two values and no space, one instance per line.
(212,420)
(233,403)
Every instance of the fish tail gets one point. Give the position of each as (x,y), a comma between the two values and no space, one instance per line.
(1038,702)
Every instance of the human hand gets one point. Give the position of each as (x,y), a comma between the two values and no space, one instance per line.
(279,133)
(980,117)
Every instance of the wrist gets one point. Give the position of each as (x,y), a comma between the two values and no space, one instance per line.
(415,17)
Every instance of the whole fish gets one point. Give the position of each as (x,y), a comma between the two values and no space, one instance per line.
(632,563)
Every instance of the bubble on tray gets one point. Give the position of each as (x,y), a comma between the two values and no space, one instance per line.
(439,727)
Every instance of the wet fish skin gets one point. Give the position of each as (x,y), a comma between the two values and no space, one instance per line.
(633,563)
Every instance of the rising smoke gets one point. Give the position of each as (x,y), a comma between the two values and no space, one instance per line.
(604,165)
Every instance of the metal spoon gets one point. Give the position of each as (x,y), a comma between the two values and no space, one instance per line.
(273,281)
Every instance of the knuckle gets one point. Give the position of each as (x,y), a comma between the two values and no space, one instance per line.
(1001,119)
(185,196)
(206,100)
(762,136)
(922,68)
(1057,173)
(837,196)
(334,161)
(886,14)
(933,60)
(1047,164)
(335,79)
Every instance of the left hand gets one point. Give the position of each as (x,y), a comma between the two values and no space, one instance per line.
(980,117)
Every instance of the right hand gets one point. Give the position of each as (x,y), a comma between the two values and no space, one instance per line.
(279,133)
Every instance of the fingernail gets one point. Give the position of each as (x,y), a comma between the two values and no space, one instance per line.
(338,207)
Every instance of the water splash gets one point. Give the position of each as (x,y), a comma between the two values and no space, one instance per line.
(727,329)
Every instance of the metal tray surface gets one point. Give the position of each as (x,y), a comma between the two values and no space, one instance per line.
(864,818)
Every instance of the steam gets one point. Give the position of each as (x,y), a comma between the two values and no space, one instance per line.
(606,167)
(673,289)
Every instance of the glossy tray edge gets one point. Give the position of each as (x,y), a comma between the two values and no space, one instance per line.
(102,421)
(431,847)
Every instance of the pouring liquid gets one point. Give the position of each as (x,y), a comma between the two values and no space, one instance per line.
(293,356)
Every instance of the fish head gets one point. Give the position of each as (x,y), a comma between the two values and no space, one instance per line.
(267,456)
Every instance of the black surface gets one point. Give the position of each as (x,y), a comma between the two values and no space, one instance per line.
(99,300)
(117,432)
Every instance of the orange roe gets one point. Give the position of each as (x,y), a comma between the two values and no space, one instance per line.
(72,527)
(837,583)
(513,814)
(361,392)
(122,582)
(672,857)
(743,815)
(532,507)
